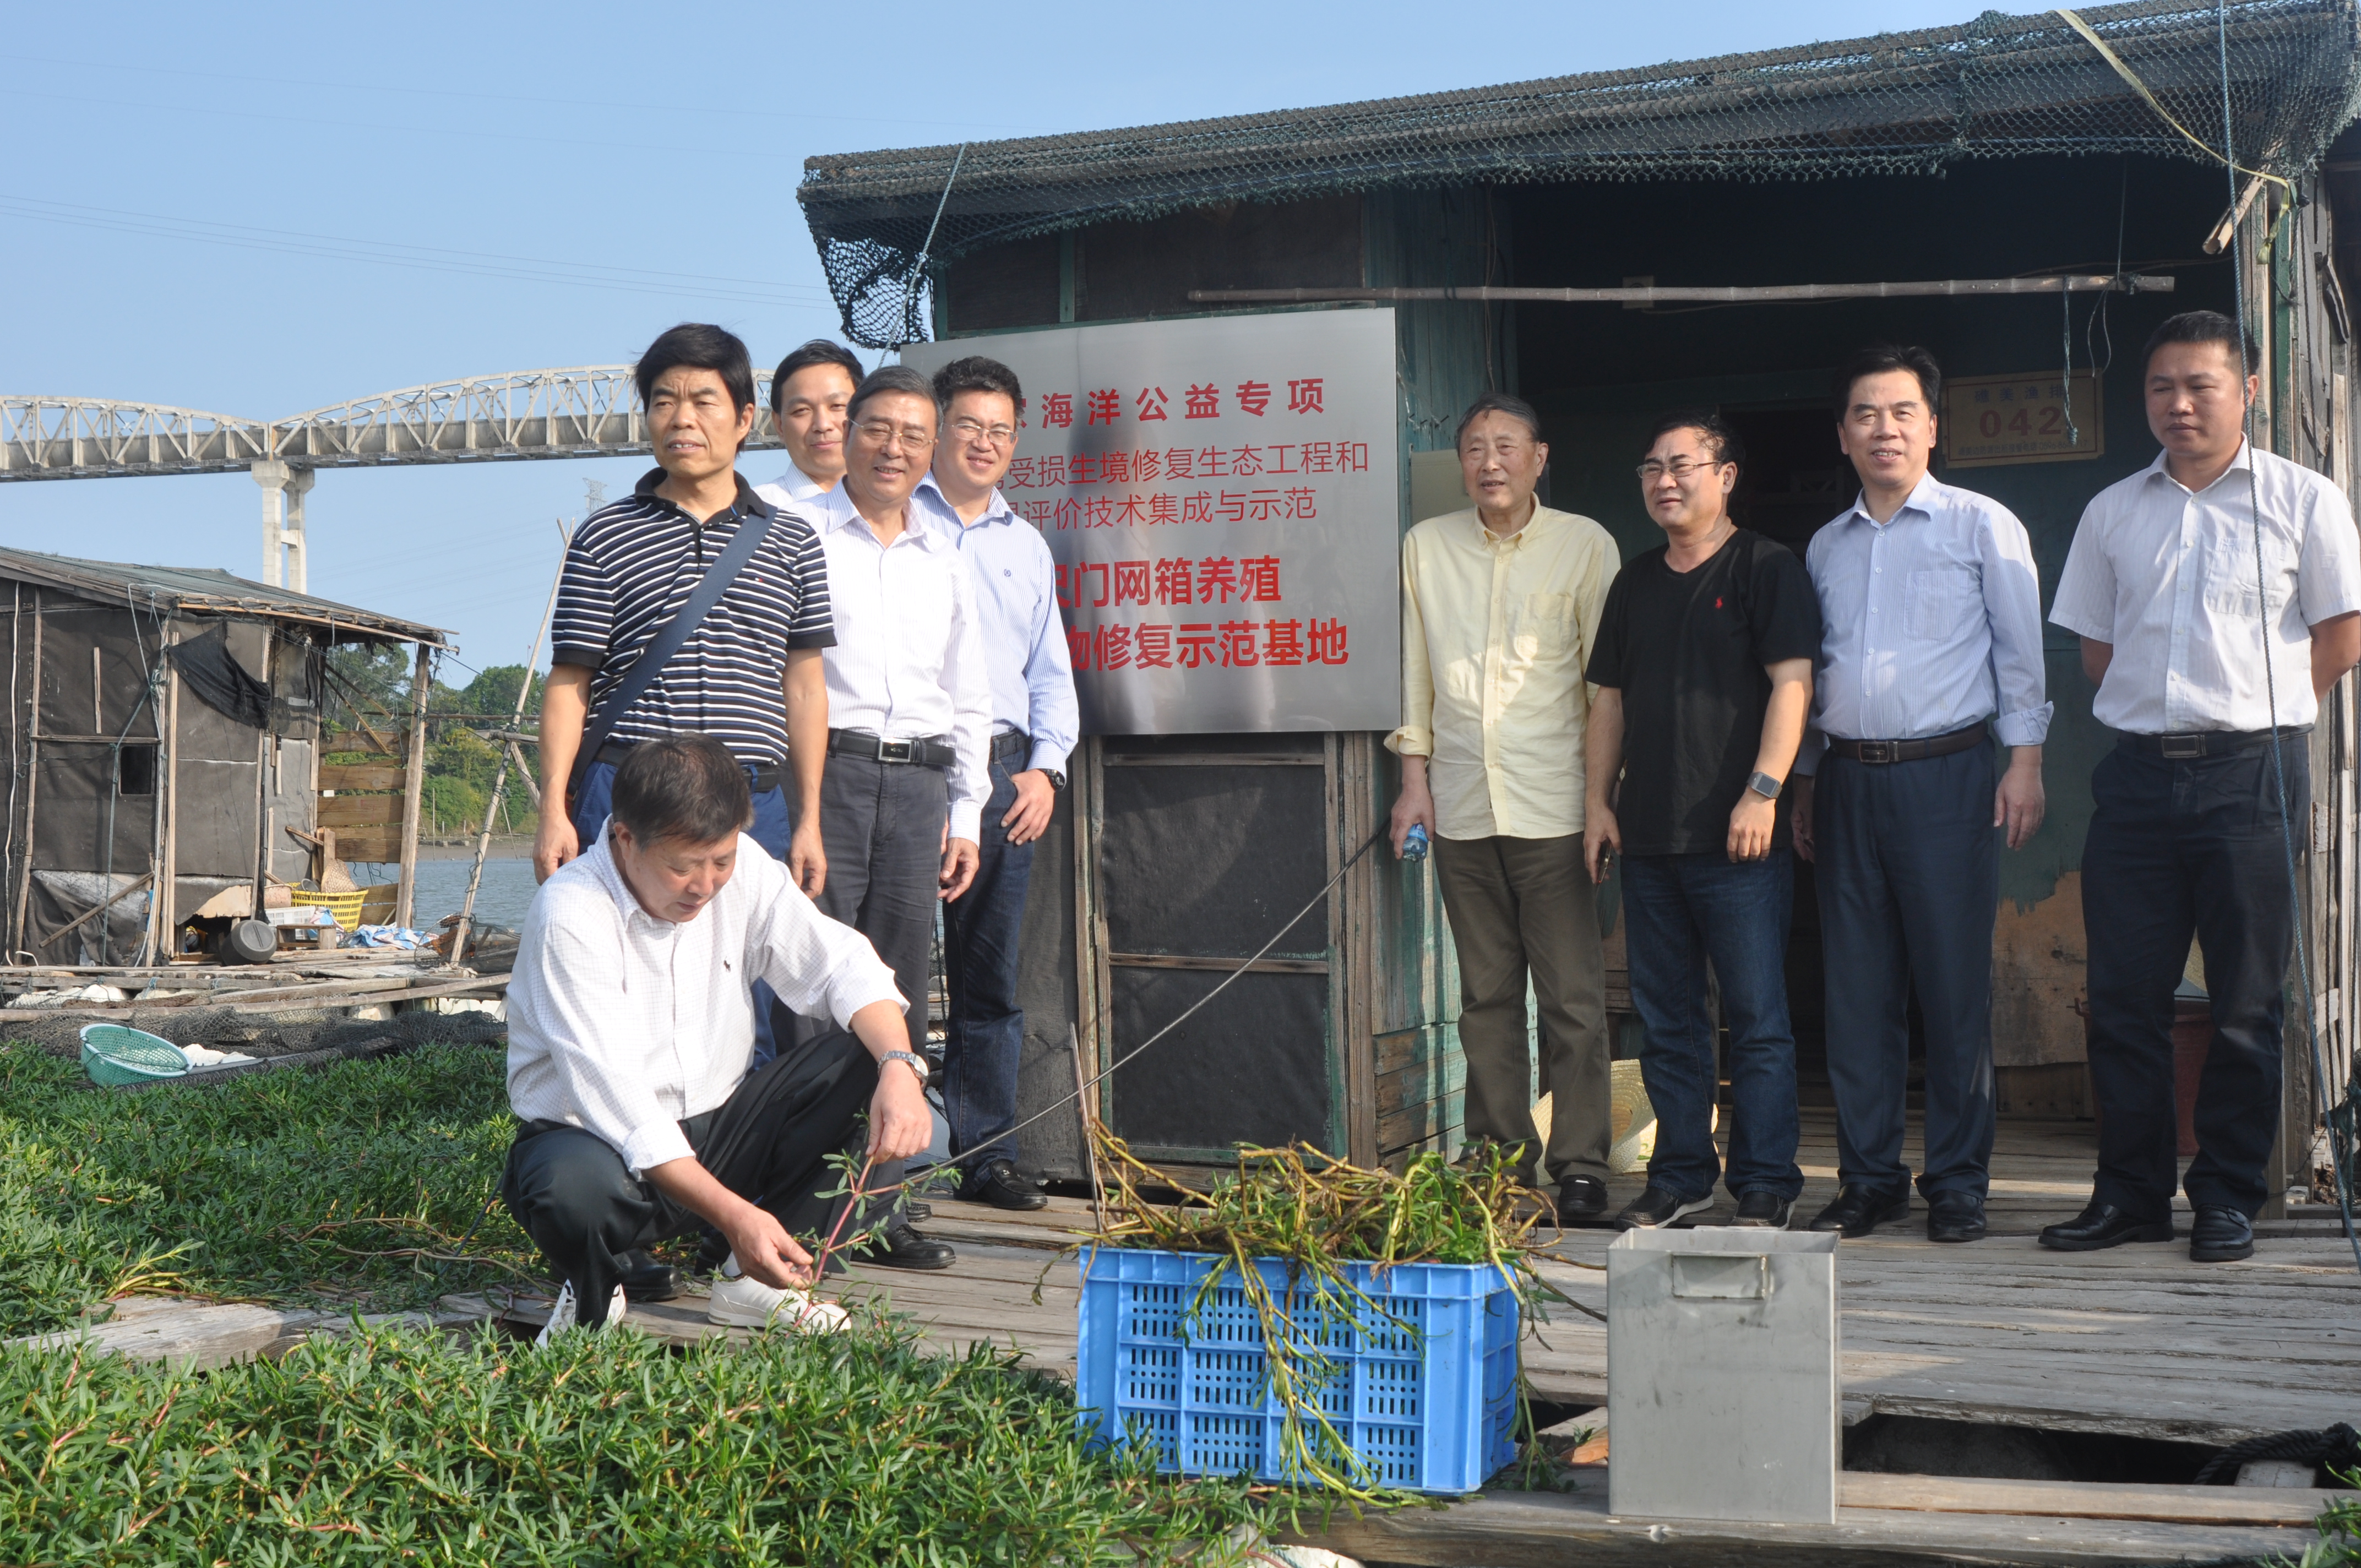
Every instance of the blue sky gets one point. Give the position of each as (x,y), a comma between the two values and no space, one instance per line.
(262,209)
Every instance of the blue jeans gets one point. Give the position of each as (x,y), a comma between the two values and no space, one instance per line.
(771,829)
(983,932)
(1678,911)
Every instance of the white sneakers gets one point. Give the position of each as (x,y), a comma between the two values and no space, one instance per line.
(746,1302)
(563,1316)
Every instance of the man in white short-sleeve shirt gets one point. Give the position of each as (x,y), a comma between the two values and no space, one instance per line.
(2176,602)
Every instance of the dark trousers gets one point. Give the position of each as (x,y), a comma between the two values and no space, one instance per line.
(982,932)
(1678,911)
(881,825)
(1909,878)
(2180,847)
(1525,908)
(768,1143)
(771,829)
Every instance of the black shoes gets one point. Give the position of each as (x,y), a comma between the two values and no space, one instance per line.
(1760,1210)
(2104,1225)
(1657,1206)
(1955,1217)
(1860,1209)
(999,1185)
(903,1247)
(1580,1198)
(2219,1235)
(645,1279)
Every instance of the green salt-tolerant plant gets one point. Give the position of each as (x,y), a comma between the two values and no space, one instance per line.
(2339,1525)
(401,1446)
(352,1183)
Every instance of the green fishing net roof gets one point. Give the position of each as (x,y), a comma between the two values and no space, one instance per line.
(2000,86)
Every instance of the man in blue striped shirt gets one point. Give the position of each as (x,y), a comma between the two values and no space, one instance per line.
(750,675)
(1036,720)
(1931,649)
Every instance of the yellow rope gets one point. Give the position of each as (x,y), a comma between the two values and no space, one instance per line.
(2112,58)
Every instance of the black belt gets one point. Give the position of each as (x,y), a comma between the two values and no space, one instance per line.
(2207,742)
(926,752)
(1883,752)
(1011,743)
(763,777)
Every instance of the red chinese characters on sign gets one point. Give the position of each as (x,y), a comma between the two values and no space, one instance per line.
(1238,644)
(1128,615)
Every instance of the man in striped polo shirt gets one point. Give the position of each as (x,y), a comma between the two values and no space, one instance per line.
(749,674)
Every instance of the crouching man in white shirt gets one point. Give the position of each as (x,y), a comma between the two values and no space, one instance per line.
(631,1029)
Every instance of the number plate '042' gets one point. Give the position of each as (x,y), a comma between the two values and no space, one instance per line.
(2038,418)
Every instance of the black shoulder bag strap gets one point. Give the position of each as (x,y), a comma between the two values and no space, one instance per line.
(667,641)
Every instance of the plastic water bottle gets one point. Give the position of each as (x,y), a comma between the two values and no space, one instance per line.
(1414,843)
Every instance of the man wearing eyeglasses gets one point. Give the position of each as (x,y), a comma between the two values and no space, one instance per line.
(1704,670)
(1035,721)
(909,705)
(1500,607)
(1933,646)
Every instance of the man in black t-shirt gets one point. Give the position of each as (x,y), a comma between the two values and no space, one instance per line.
(1704,666)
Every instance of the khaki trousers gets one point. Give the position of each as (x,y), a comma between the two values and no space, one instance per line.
(1523,907)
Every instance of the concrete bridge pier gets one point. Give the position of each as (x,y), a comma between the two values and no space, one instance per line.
(283,488)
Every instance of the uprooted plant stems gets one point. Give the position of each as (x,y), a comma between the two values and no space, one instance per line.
(1317,1214)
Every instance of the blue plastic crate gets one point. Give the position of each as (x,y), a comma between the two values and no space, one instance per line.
(1426,1394)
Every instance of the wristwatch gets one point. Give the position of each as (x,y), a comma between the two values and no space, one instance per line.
(1057,780)
(1763,785)
(917,1063)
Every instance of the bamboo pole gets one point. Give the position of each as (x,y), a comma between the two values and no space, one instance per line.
(414,783)
(1941,288)
(501,774)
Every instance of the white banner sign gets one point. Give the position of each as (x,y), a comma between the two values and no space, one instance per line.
(1223,498)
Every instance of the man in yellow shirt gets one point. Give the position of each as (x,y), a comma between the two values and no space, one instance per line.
(1501,607)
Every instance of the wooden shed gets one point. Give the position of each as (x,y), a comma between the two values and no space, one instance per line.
(1989,153)
(164,728)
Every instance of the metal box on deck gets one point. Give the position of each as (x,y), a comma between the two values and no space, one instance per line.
(1721,1375)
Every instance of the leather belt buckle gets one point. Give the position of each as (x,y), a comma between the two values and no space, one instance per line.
(1877,751)
(2182,745)
(894,751)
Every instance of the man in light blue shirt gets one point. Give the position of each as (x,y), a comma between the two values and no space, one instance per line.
(1932,645)
(1034,720)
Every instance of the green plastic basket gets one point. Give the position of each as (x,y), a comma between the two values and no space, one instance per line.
(115,1055)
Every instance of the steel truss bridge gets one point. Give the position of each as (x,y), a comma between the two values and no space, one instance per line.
(589,410)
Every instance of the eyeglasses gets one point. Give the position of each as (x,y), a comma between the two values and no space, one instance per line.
(1680,469)
(998,435)
(880,433)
